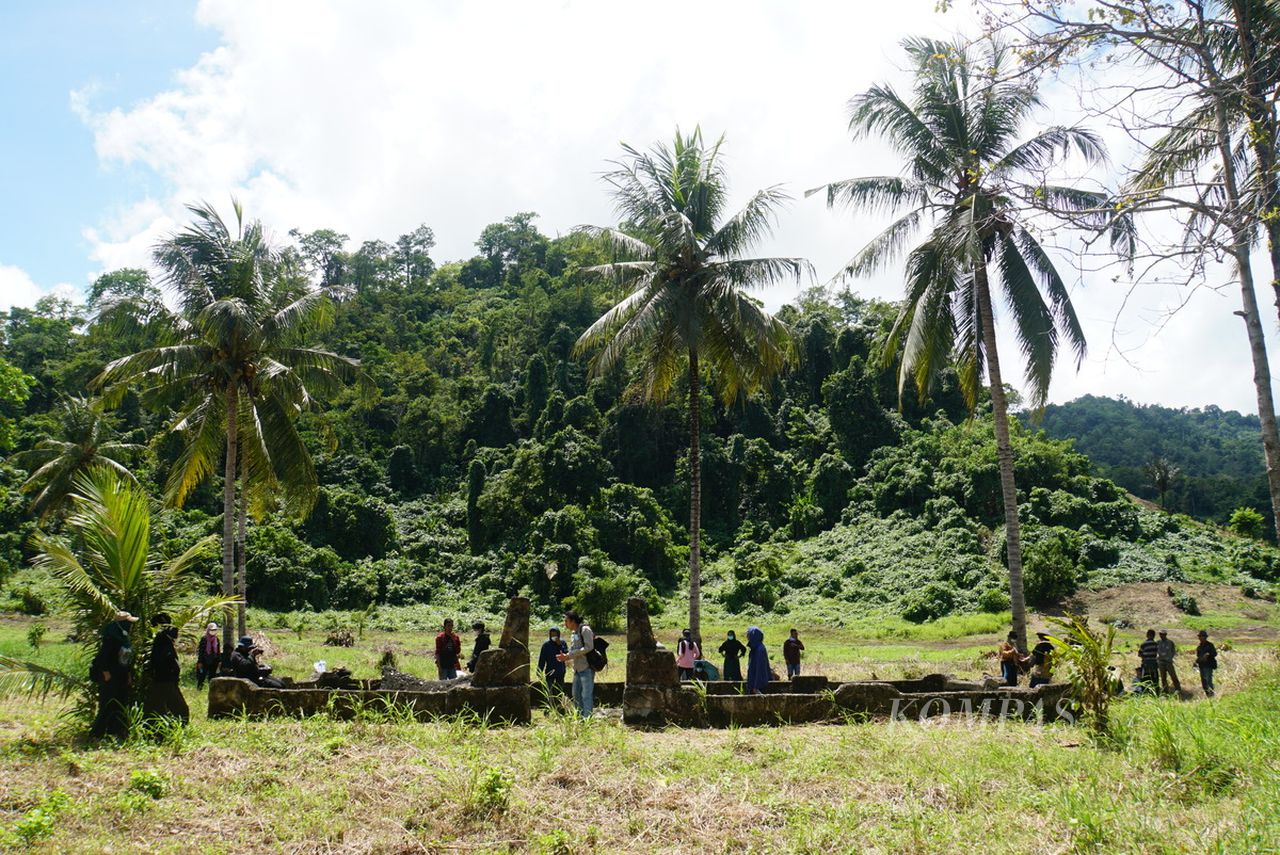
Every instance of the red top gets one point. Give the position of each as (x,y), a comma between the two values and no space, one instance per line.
(446,654)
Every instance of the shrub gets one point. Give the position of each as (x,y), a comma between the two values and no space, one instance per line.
(1246,522)
(36,634)
(930,602)
(993,601)
(1184,602)
(490,793)
(1050,569)
(149,782)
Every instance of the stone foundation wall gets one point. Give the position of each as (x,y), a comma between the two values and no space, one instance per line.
(232,696)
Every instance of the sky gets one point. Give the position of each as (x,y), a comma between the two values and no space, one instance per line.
(373,118)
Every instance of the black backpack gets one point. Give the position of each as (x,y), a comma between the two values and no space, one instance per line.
(597,656)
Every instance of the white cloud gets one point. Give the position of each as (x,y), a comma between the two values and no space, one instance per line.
(373,119)
(18,289)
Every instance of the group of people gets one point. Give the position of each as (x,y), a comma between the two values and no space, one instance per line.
(449,650)
(1156,672)
(691,665)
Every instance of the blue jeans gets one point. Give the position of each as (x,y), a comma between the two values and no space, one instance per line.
(793,670)
(1009,670)
(584,690)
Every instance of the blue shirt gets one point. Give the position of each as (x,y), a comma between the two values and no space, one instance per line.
(547,662)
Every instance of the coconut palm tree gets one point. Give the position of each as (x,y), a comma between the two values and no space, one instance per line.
(111,568)
(969,181)
(86,442)
(685,273)
(239,373)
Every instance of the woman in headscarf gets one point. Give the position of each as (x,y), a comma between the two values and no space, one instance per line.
(732,651)
(757,662)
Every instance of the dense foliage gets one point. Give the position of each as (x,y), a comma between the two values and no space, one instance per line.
(486,463)
(1216,453)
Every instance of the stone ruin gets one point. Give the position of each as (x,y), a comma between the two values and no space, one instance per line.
(498,690)
(652,695)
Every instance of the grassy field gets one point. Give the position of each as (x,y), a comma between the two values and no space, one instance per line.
(1196,776)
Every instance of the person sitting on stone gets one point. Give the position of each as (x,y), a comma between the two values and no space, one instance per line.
(246,665)
(732,650)
(483,643)
(1010,658)
(1041,661)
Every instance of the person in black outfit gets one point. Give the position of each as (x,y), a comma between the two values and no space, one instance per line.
(551,668)
(112,670)
(164,698)
(244,664)
(732,650)
(483,643)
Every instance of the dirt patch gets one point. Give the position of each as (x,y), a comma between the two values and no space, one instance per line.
(1147,605)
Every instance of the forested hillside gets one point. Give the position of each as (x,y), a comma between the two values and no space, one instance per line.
(1214,457)
(484,461)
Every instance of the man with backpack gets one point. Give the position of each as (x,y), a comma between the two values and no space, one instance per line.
(582,642)
(448,650)
(112,670)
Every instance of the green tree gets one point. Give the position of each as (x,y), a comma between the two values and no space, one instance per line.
(1161,473)
(112,567)
(239,374)
(969,179)
(85,443)
(15,386)
(685,270)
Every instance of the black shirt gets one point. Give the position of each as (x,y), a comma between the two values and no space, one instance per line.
(1148,651)
(1206,655)
(732,648)
(164,656)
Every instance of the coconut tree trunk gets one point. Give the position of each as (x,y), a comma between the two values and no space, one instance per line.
(229,515)
(1240,244)
(1004,456)
(695,498)
(241,527)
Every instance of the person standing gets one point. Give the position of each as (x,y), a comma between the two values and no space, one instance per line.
(1010,658)
(164,697)
(1148,658)
(448,651)
(687,653)
(549,663)
(1207,662)
(732,650)
(482,644)
(1041,661)
(581,641)
(112,670)
(208,655)
(791,649)
(1165,651)
(757,662)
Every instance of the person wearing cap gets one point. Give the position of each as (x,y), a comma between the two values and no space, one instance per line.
(112,670)
(1010,658)
(208,655)
(1149,658)
(242,662)
(1207,662)
(483,643)
(1041,661)
(1165,651)
(163,697)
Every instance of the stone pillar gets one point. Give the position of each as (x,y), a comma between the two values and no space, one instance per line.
(508,663)
(651,693)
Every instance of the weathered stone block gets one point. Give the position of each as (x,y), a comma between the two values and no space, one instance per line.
(810,684)
(639,630)
(502,667)
(651,668)
(515,631)
(649,706)
(875,698)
